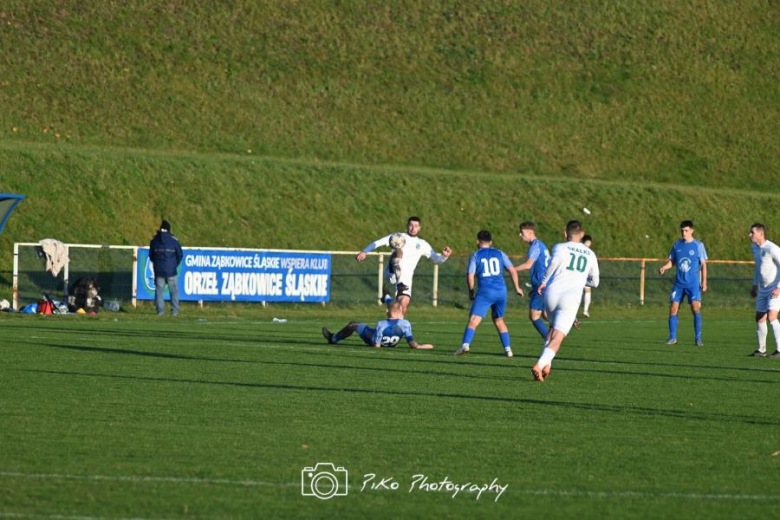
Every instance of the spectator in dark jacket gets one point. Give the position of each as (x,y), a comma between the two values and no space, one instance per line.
(165,254)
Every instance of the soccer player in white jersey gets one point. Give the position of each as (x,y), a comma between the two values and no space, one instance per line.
(414,249)
(766,288)
(572,268)
(587,295)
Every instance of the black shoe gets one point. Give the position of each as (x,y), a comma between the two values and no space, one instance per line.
(328,336)
(775,354)
(758,353)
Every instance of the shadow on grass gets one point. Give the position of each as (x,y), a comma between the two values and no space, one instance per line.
(474,356)
(589,407)
(356,347)
(164,355)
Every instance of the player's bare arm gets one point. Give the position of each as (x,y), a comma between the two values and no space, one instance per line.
(665,267)
(703,276)
(516,281)
(525,265)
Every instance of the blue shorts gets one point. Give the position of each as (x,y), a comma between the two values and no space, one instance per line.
(536,301)
(366,333)
(681,291)
(483,302)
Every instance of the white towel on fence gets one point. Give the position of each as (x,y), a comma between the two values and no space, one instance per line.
(56,255)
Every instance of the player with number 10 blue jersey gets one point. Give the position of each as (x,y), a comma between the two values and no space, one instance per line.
(487,289)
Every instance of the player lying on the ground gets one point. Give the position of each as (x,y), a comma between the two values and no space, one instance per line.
(388,333)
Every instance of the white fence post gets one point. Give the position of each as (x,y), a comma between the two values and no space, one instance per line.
(16,277)
(380,279)
(135,278)
(435,285)
(66,274)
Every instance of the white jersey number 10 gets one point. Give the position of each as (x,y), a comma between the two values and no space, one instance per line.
(580,261)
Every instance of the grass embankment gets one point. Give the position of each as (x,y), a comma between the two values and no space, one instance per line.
(684,93)
(111,196)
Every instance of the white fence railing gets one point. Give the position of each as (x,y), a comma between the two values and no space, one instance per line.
(37,279)
(625,281)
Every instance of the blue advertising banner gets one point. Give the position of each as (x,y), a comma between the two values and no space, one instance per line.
(244,276)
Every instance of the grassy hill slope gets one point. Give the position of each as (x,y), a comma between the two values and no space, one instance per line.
(117,196)
(685,92)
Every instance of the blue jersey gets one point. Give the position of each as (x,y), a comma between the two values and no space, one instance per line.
(687,258)
(539,253)
(488,264)
(389,332)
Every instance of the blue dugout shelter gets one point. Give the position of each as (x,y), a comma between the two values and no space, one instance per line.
(8,203)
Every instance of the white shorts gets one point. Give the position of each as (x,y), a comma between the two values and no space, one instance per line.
(562,308)
(765,302)
(406,279)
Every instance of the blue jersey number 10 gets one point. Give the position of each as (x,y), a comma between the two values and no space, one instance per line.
(491,267)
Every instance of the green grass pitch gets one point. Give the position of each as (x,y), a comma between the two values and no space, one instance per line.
(216,416)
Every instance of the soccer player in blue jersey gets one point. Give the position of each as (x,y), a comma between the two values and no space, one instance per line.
(388,333)
(689,257)
(487,265)
(537,261)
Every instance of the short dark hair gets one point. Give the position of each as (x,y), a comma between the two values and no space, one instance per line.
(688,223)
(760,226)
(527,225)
(484,236)
(573,226)
(586,238)
(413,219)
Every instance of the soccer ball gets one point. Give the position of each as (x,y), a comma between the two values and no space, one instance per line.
(397,240)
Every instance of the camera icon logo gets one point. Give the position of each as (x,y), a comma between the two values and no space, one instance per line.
(324,481)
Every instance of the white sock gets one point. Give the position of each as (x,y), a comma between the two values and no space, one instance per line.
(776,329)
(546,358)
(586,301)
(465,346)
(761,332)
